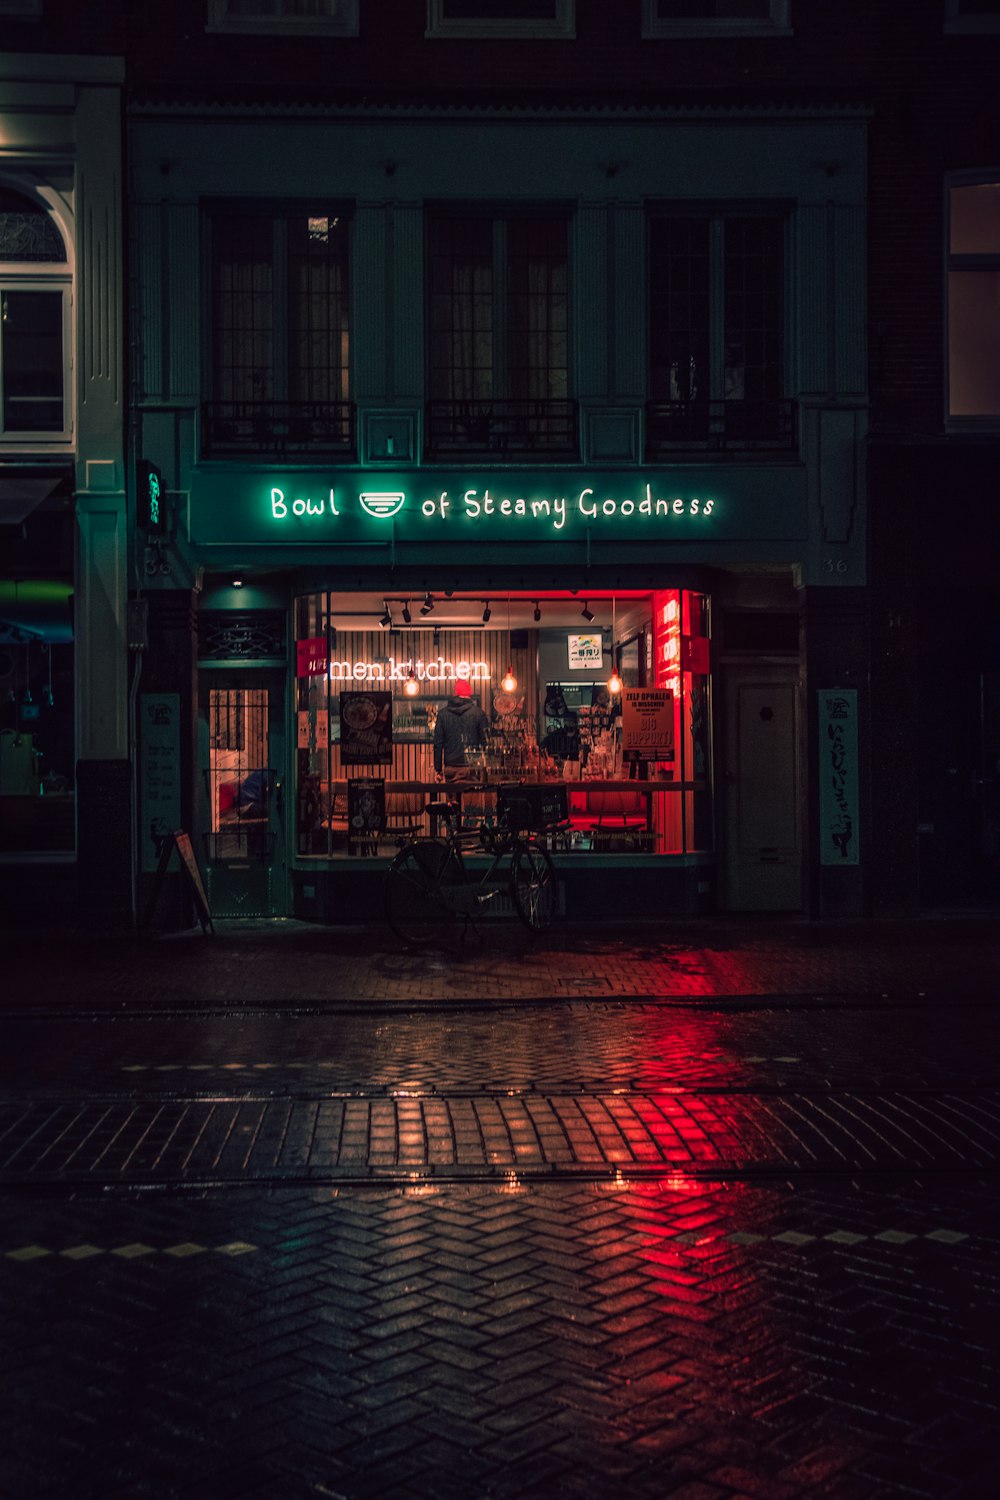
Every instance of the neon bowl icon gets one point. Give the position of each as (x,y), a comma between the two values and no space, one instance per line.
(382,503)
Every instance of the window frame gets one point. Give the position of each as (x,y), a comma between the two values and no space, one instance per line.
(221,19)
(43,276)
(715,214)
(955,24)
(957,261)
(499,216)
(655,28)
(278,212)
(562,26)
(21,281)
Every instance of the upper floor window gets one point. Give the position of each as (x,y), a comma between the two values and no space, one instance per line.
(717,361)
(34,323)
(972,15)
(305,17)
(279,372)
(499,330)
(974,301)
(673,18)
(501,18)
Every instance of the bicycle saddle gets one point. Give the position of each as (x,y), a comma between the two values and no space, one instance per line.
(444,808)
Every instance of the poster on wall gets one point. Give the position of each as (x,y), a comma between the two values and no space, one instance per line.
(159,771)
(366,729)
(647,724)
(312,657)
(586,651)
(365,813)
(838,776)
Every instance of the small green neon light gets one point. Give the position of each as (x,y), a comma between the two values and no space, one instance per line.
(154,500)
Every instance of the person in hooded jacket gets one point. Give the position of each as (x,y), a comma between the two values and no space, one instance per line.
(460,724)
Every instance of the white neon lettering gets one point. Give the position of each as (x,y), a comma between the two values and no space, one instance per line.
(628,506)
(471,503)
(584,509)
(560,510)
(694,505)
(663,507)
(360,671)
(609,507)
(709,507)
(279,508)
(678,507)
(432,676)
(428,507)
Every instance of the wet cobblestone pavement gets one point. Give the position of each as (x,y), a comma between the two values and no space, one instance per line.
(284,1214)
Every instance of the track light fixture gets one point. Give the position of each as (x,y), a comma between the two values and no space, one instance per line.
(587,613)
(386,619)
(407,617)
(538,611)
(486,613)
(428,604)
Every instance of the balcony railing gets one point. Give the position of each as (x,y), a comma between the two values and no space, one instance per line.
(277,427)
(502,429)
(766,426)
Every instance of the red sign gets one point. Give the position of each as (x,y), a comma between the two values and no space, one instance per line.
(694,654)
(312,657)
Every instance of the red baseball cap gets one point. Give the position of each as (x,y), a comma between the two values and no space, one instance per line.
(463,687)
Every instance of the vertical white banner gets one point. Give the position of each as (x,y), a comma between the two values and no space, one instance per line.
(838,777)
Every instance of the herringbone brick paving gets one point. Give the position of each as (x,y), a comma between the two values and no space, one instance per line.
(520,1273)
(565,1341)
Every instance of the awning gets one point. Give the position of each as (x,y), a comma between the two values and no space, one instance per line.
(21,495)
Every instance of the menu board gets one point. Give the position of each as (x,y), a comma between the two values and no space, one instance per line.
(366,729)
(647,724)
(159,772)
(365,813)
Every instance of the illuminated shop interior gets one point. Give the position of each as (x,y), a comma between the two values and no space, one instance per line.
(558,675)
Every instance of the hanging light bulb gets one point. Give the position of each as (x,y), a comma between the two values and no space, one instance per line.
(614,681)
(538,611)
(411,686)
(509,683)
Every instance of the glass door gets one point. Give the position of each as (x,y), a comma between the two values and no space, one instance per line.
(241,749)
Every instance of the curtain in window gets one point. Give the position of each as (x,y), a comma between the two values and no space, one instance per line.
(317,309)
(243,293)
(537,309)
(461,310)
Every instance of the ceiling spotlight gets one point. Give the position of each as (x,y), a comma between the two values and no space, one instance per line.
(486,613)
(427,605)
(538,612)
(587,613)
(386,619)
(407,617)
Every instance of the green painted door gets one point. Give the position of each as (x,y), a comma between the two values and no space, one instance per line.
(242,758)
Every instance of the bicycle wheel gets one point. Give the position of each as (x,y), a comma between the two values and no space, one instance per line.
(533,884)
(417,887)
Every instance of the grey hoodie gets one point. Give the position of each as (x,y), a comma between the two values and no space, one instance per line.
(461,722)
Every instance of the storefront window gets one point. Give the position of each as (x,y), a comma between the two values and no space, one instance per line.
(373,676)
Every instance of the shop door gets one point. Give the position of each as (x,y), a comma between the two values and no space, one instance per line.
(762,814)
(242,756)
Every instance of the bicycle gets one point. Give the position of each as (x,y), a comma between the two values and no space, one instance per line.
(428,886)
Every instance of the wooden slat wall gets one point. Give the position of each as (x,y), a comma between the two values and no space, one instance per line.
(414,762)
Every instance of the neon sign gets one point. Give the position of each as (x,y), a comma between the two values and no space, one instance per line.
(437,669)
(585,506)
